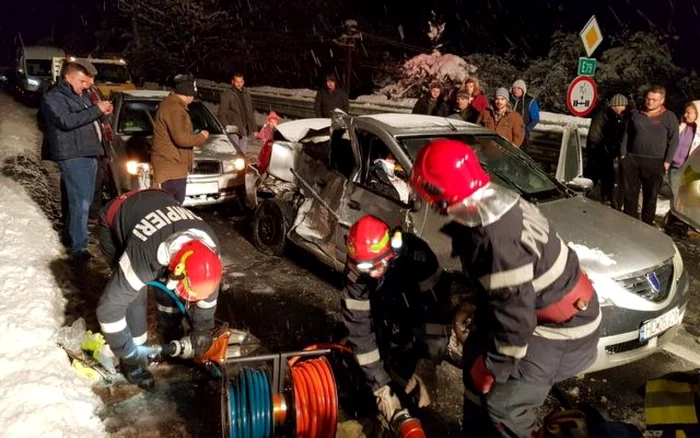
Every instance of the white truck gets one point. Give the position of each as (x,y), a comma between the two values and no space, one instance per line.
(34,69)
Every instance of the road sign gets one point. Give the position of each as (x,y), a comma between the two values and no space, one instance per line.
(586,66)
(581,96)
(591,36)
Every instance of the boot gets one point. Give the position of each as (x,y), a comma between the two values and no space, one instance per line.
(139,376)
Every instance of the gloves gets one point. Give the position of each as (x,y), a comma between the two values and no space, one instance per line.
(201,341)
(481,376)
(387,403)
(138,355)
(423,378)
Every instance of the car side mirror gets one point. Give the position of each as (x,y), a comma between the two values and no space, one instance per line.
(580,184)
(415,204)
(231,129)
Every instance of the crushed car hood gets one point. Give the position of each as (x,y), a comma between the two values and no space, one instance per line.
(296,130)
(630,244)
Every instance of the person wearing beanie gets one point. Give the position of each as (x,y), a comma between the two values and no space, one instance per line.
(603,150)
(268,130)
(173,139)
(236,109)
(526,106)
(502,120)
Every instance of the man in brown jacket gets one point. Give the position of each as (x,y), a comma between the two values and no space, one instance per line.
(236,109)
(502,120)
(173,139)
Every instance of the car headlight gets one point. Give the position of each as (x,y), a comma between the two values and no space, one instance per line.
(235,165)
(677,261)
(136,168)
(33,82)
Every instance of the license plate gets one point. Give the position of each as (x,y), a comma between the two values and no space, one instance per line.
(658,325)
(194,189)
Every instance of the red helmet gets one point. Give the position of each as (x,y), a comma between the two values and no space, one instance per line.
(369,243)
(447,171)
(196,269)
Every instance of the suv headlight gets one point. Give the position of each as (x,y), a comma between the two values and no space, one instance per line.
(33,82)
(235,165)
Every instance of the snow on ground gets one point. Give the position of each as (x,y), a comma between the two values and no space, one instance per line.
(40,394)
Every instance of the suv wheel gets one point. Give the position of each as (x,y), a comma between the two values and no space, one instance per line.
(271,222)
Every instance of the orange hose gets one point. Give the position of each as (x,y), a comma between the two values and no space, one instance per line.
(316,399)
(322,346)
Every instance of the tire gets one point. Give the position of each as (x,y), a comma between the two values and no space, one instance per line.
(271,223)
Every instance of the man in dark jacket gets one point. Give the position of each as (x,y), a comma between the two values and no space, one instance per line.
(147,236)
(463,110)
(432,103)
(330,98)
(394,310)
(603,149)
(236,109)
(526,106)
(75,145)
(537,315)
(647,149)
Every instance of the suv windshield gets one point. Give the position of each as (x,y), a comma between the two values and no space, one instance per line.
(136,118)
(112,73)
(38,67)
(505,164)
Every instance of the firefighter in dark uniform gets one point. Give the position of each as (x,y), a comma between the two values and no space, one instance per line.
(394,307)
(537,317)
(147,236)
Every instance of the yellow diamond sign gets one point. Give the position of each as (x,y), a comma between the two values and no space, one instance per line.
(591,36)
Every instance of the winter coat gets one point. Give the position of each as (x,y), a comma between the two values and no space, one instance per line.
(409,300)
(509,126)
(468,114)
(327,101)
(683,126)
(604,140)
(519,266)
(236,109)
(528,108)
(173,140)
(479,103)
(425,105)
(71,123)
(131,235)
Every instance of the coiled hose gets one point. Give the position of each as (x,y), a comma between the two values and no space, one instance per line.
(315,399)
(250,404)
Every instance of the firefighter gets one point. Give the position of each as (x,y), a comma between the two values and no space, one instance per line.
(147,236)
(537,316)
(393,308)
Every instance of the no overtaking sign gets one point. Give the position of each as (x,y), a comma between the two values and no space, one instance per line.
(581,96)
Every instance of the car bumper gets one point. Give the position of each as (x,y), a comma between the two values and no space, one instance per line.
(213,189)
(617,349)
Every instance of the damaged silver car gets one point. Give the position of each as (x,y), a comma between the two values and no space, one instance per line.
(316,180)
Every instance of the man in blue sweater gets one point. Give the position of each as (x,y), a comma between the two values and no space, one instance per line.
(647,148)
(74,136)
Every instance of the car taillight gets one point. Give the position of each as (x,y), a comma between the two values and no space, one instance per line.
(264,156)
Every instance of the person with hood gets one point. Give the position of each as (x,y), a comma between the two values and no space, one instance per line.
(688,141)
(266,132)
(330,98)
(603,148)
(478,100)
(432,103)
(647,150)
(502,120)
(172,156)
(537,317)
(526,106)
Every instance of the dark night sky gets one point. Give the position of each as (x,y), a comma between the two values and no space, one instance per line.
(492,26)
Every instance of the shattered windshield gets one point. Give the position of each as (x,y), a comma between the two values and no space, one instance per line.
(136,118)
(505,164)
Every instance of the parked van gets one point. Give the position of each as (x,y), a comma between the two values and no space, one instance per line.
(34,69)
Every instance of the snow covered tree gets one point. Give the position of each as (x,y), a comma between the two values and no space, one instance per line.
(493,72)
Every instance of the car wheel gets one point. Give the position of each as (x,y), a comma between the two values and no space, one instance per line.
(271,222)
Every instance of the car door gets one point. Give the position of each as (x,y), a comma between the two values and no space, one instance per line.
(570,164)
(368,195)
(686,201)
(323,185)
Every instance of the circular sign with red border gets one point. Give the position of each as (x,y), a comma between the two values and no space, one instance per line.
(581,96)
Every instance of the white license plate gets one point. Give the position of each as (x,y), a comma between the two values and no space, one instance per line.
(658,325)
(194,189)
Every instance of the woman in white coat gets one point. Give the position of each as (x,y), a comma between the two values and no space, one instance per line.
(688,141)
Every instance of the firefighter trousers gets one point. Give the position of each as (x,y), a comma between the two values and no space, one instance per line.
(508,410)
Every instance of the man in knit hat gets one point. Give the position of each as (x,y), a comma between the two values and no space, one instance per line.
(502,120)
(526,106)
(173,139)
(603,149)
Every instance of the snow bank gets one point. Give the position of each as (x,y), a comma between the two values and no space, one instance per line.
(40,394)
